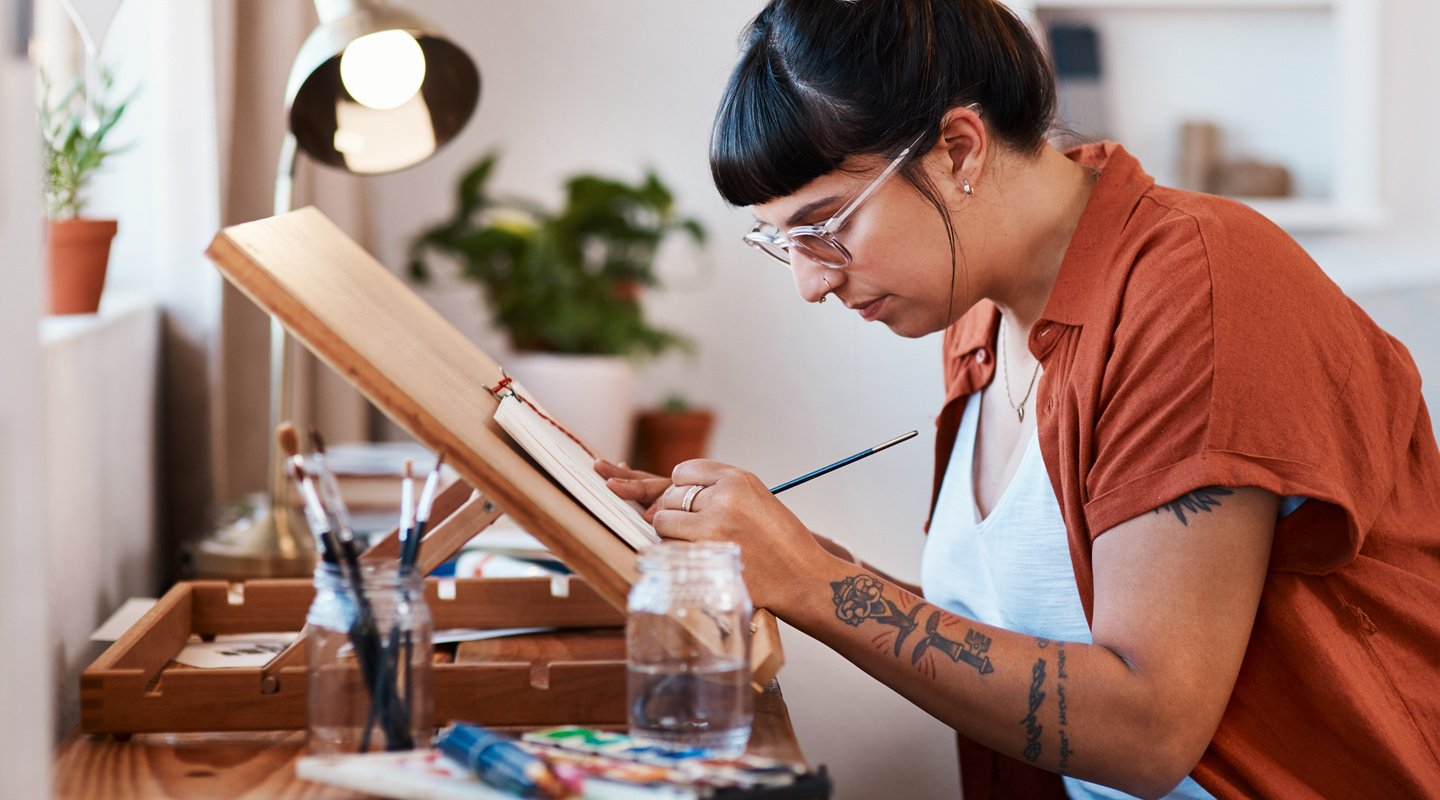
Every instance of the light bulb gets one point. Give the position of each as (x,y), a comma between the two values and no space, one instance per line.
(383,70)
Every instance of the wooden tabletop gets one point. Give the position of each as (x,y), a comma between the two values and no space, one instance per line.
(249,765)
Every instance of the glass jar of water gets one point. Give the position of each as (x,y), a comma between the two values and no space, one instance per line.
(369,654)
(688,648)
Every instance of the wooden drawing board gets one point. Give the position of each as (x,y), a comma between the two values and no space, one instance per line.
(358,317)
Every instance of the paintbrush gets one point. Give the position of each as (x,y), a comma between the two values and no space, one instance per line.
(340,552)
(333,497)
(410,545)
(422,515)
(289,443)
(397,655)
(407,511)
(362,632)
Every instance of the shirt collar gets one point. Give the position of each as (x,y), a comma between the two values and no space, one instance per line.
(1112,203)
(970,341)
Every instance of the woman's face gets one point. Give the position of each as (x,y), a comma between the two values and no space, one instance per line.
(900,273)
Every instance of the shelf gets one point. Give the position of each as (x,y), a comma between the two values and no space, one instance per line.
(1268,73)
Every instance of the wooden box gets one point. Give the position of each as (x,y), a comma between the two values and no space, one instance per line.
(573,676)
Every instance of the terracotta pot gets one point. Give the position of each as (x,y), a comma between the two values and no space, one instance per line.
(666,438)
(79,250)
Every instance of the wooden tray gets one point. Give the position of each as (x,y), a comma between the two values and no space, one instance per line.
(575,676)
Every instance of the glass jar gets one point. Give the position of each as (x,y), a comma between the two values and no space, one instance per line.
(369,659)
(687,639)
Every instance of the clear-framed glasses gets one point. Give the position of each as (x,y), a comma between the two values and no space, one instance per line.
(818,242)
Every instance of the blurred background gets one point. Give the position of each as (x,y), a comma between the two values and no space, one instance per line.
(153,416)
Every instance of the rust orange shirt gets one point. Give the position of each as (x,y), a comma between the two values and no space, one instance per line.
(1188,342)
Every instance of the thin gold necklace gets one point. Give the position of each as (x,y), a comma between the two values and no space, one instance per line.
(1004,364)
(1005,375)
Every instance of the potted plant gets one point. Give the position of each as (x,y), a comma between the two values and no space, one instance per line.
(670,434)
(565,287)
(73,130)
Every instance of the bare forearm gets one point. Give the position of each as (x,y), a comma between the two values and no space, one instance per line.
(1072,708)
(844,553)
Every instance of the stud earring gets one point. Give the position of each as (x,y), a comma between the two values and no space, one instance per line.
(965,187)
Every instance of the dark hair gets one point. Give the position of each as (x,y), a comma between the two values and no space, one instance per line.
(822,80)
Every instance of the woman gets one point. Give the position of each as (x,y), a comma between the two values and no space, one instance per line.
(1184,535)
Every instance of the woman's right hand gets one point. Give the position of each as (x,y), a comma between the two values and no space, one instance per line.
(632,484)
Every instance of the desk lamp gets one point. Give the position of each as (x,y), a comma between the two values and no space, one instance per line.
(374,89)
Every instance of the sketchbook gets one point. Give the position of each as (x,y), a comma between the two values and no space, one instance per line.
(570,463)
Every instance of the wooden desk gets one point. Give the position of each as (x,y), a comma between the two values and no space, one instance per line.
(189,766)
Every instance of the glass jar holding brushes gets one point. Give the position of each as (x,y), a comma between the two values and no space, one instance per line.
(370,636)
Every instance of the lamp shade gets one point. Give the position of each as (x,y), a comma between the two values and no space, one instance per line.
(375,89)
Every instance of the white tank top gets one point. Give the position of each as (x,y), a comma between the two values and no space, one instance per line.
(1012,569)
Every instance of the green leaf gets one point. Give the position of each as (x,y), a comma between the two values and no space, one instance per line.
(75,129)
(567,280)
(471,195)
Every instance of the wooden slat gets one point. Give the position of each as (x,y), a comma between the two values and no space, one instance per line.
(766,658)
(447,500)
(255,606)
(519,603)
(156,636)
(474,515)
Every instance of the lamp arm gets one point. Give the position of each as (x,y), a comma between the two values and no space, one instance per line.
(285,174)
(280,389)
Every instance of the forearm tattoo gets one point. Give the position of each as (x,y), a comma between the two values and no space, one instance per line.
(861,597)
(1033,728)
(1194,502)
(972,652)
(1060,677)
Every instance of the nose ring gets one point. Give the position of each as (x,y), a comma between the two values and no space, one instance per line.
(826,281)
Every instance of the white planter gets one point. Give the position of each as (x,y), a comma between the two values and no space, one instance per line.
(592,396)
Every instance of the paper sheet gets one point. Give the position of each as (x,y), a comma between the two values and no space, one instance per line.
(235,650)
(123,619)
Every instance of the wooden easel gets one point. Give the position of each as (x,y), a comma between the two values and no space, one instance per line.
(351,312)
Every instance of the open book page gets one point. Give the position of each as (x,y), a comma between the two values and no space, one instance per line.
(574,469)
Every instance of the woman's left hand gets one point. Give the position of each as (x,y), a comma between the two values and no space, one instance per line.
(732,505)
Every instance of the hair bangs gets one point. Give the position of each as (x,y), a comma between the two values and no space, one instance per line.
(764,144)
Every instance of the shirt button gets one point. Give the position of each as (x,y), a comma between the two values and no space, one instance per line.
(980,356)
(1050,404)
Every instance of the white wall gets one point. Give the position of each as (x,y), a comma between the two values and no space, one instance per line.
(612,87)
(25,690)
